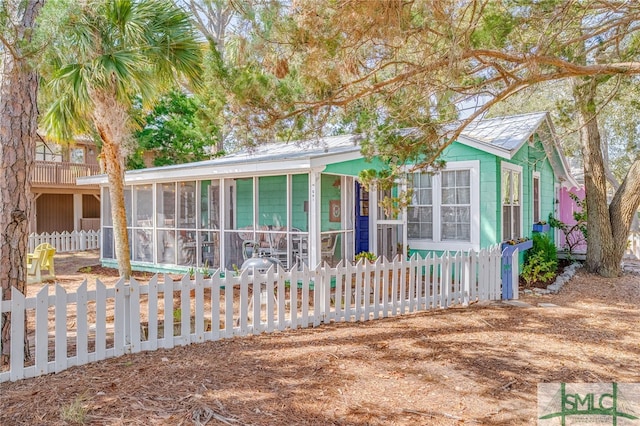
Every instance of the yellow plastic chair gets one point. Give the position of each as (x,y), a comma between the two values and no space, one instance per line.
(47,263)
(34,265)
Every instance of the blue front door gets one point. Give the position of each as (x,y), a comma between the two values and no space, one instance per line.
(362,218)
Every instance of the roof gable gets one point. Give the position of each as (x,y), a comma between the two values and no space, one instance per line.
(505,136)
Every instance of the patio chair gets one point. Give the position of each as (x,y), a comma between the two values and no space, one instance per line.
(34,265)
(328,247)
(248,247)
(279,247)
(47,264)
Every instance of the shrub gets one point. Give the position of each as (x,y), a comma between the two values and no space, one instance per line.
(538,270)
(542,243)
(541,263)
(366,255)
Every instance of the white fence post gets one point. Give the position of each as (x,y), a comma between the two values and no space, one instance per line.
(398,287)
(17,334)
(515,273)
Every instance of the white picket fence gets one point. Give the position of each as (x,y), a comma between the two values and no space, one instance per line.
(67,241)
(92,324)
(633,247)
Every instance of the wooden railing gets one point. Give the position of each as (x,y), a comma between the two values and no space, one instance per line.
(61,173)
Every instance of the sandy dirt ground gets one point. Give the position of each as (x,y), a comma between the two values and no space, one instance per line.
(478,365)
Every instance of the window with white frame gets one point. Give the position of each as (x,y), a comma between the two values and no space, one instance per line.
(536,197)
(511,201)
(444,211)
(420,212)
(455,213)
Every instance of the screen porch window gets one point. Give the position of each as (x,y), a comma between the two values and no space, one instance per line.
(511,203)
(420,212)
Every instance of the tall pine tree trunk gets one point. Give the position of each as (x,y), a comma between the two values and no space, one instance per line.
(18,126)
(111,121)
(607,226)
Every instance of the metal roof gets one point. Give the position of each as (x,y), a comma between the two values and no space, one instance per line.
(501,136)
(278,151)
(508,133)
(503,132)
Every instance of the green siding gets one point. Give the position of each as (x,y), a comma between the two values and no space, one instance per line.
(533,159)
(548,197)
(489,184)
(353,167)
(272,201)
(329,192)
(244,200)
(300,189)
(530,158)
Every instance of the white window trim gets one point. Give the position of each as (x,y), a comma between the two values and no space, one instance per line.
(518,169)
(436,243)
(534,176)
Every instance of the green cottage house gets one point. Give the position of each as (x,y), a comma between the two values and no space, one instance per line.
(303,202)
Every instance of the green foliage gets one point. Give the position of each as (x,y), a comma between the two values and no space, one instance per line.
(538,270)
(123,50)
(542,243)
(172,131)
(496,25)
(541,261)
(204,269)
(366,255)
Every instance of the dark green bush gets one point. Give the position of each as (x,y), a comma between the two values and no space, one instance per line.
(542,243)
(541,261)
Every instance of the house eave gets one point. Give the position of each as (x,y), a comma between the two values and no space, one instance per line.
(208,171)
(486,147)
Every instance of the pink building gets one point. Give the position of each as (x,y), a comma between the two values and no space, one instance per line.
(567,206)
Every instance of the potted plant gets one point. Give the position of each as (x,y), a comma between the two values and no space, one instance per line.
(521,244)
(366,255)
(541,226)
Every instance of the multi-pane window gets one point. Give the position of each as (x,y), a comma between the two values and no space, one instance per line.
(420,212)
(511,203)
(455,213)
(48,152)
(76,155)
(441,206)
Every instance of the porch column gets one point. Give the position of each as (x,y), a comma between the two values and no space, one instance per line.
(77,211)
(373,219)
(315,223)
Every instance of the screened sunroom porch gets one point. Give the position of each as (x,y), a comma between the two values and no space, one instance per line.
(209,223)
